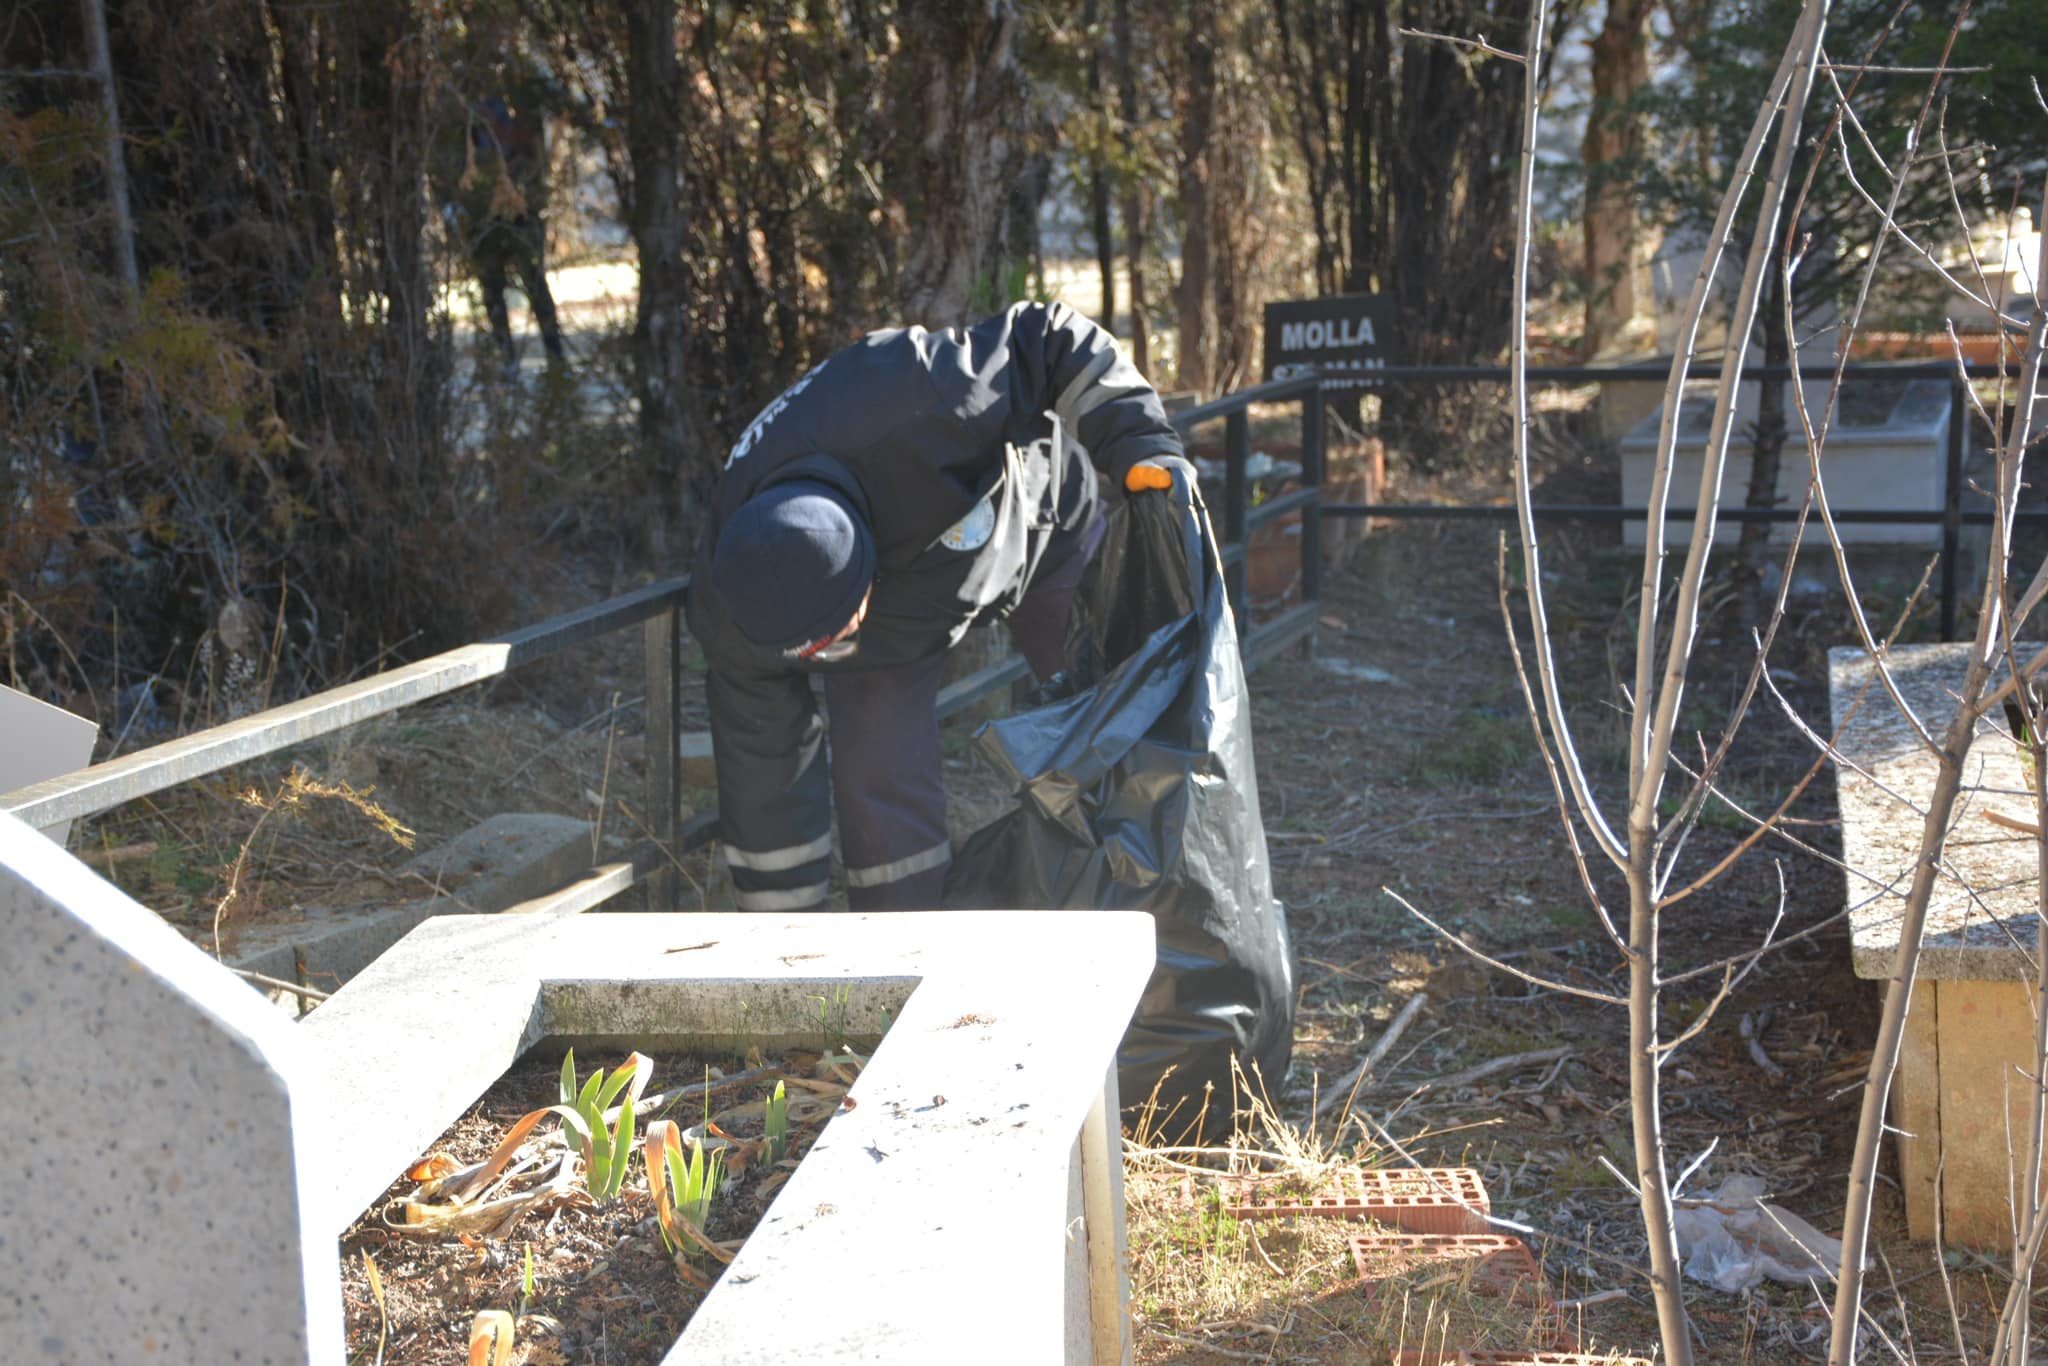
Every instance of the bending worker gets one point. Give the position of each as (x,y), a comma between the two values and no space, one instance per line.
(911,487)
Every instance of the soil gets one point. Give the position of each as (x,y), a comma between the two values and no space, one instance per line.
(605,1288)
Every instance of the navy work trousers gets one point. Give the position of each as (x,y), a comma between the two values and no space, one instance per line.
(888,778)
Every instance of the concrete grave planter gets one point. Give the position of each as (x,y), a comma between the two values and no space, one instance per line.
(188,1136)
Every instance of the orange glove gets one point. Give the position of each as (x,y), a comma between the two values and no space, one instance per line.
(1142,477)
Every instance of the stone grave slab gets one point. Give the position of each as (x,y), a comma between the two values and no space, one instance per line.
(491,867)
(1969,1029)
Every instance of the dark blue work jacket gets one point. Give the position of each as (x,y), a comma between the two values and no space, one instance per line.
(969,452)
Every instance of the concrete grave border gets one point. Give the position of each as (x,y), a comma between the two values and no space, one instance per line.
(972,1197)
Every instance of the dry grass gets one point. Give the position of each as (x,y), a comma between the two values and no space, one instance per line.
(1207,1287)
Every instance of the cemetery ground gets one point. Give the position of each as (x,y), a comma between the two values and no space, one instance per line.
(590,1279)
(1399,761)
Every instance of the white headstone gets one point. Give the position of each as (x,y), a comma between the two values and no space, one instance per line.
(152,1186)
(41,741)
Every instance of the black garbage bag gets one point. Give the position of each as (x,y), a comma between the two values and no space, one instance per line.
(1136,791)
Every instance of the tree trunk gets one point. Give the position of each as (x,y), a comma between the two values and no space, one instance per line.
(298,53)
(95,16)
(394,107)
(1197,127)
(1098,183)
(971,107)
(1621,68)
(653,139)
(1356,175)
(1135,226)
(1308,95)
(1753,554)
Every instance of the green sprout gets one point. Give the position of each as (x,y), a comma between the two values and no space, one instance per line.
(683,1185)
(696,1182)
(607,1149)
(777,1125)
(833,1015)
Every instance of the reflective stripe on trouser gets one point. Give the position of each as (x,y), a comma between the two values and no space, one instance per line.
(779,860)
(887,785)
(795,878)
(809,897)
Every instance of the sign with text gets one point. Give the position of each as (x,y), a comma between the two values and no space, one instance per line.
(1340,333)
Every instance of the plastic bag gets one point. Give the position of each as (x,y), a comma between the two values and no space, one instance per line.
(1137,791)
(1735,1239)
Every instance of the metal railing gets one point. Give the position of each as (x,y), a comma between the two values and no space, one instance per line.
(658,610)
(101,787)
(1260,642)
(1950,516)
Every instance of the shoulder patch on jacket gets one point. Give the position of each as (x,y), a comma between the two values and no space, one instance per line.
(972,531)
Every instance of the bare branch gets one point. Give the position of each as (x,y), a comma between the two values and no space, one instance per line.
(1696,798)
(1652,737)
(1493,1067)
(1604,997)
(1695,1165)
(1603,834)
(1775,819)
(1478,43)
(1832,67)
(1348,1084)
(1570,827)
(1631,1187)
(1730,977)
(1827,747)
(1913,244)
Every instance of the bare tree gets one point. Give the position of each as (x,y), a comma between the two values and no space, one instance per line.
(1645,849)
(1991,651)
(95,15)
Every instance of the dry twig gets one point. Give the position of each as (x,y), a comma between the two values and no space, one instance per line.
(1348,1084)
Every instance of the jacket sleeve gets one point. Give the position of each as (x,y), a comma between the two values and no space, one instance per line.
(1082,377)
(774,789)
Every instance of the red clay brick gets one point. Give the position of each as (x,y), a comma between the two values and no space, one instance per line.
(1442,1200)
(1500,1265)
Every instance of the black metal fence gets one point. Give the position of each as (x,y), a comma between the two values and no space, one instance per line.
(1950,516)
(1262,641)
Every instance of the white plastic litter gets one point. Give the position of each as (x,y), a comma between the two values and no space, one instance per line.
(1735,1239)
(1362,673)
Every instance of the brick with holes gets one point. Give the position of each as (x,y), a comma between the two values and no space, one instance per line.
(1444,1200)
